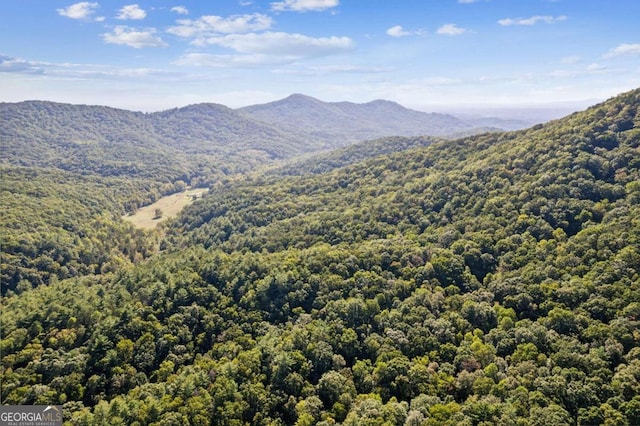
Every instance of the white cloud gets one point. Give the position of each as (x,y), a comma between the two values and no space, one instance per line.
(210,25)
(450,29)
(180,10)
(467,1)
(623,49)
(82,10)
(9,64)
(134,38)
(532,20)
(304,5)
(283,44)
(398,31)
(132,11)
(270,48)
(79,71)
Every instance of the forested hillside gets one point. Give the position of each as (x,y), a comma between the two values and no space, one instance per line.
(492,279)
(326,161)
(162,145)
(56,224)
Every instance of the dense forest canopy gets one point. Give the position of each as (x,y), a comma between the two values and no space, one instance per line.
(492,279)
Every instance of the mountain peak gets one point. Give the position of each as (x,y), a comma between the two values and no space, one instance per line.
(384,102)
(300,96)
(203,107)
(298,99)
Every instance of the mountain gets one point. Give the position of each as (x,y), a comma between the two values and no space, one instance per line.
(79,138)
(110,141)
(342,123)
(162,145)
(205,128)
(491,279)
(114,142)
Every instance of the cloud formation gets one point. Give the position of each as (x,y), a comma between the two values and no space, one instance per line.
(624,49)
(211,25)
(304,5)
(132,37)
(180,10)
(10,64)
(450,29)
(82,10)
(81,71)
(269,48)
(132,11)
(398,31)
(283,44)
(532,20)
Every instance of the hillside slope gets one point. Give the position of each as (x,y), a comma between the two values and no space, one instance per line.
(56,224)
(575,162)
(207,128)
(79,138)
(488,280)
(325,161)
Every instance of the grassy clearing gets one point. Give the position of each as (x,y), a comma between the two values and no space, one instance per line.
(169,205)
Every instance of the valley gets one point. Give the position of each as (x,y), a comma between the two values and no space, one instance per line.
(332,270)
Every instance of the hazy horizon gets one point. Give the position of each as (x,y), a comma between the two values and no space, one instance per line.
(430,56)
(533,113)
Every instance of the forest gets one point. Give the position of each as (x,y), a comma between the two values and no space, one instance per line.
(491,279)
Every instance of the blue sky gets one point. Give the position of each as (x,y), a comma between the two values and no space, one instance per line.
(151,55)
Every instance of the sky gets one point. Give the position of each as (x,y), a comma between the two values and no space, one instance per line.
(150,55)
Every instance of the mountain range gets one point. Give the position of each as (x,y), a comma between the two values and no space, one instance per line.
(110,141)
(349,122)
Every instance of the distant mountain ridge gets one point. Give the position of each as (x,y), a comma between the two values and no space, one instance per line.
(351,122)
